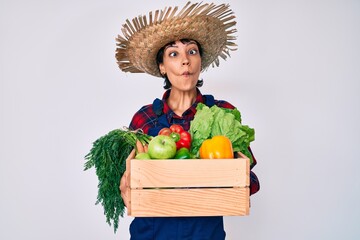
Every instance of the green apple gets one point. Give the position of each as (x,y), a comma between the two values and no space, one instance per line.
(142,155)
(162,147)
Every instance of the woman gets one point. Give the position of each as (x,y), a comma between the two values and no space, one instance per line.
(178,49)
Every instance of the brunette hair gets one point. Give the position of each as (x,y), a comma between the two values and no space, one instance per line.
(160,59)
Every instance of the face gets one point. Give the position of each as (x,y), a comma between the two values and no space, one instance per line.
(182,65)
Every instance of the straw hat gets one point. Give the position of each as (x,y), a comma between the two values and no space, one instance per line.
(210,25)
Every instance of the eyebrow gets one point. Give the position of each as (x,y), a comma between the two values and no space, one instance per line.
(175,46)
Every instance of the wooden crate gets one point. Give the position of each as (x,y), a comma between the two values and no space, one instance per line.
(196,187)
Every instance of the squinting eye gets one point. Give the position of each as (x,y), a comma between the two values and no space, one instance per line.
(193,52)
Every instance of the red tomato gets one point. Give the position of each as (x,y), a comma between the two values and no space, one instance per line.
(165,131)
(178,134)
(176,128)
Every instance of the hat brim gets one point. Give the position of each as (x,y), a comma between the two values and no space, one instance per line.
(207,24)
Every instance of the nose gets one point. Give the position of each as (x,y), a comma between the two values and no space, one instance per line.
(185,61)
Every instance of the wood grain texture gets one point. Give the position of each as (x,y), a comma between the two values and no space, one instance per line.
(193,187)
(190,202)
(189,173)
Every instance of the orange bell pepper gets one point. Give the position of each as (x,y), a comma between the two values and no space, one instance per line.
(218,147)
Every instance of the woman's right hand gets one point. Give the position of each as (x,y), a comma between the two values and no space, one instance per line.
(125,179)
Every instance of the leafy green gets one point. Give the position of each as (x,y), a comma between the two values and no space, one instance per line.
(108,155)
(209,122)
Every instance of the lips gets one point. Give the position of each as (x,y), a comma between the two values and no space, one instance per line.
(186,73)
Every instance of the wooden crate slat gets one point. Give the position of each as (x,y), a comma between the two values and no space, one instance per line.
(189,173)
(190,202)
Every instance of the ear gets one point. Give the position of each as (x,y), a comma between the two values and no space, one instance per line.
(162,68)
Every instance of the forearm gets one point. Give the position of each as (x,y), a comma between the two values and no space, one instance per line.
(254,183)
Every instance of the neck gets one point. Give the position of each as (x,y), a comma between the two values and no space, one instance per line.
(180,101)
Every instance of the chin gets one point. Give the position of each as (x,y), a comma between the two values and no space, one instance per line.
(187,88)
(185,85)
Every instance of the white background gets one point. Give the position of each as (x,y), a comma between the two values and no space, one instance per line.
(295,78)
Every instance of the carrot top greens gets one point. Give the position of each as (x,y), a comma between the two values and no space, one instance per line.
(108,155)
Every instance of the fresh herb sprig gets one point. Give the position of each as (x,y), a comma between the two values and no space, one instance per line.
(108,155)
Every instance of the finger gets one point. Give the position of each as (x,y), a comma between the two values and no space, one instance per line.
(146,148)
(124,188)
(125,196)
(139,147)
(131,156)
(122,182)
(126,179)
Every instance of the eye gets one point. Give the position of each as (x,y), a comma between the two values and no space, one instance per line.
(193,52)
(172,54)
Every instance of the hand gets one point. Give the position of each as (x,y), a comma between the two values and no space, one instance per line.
(125,181)
(141,148)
